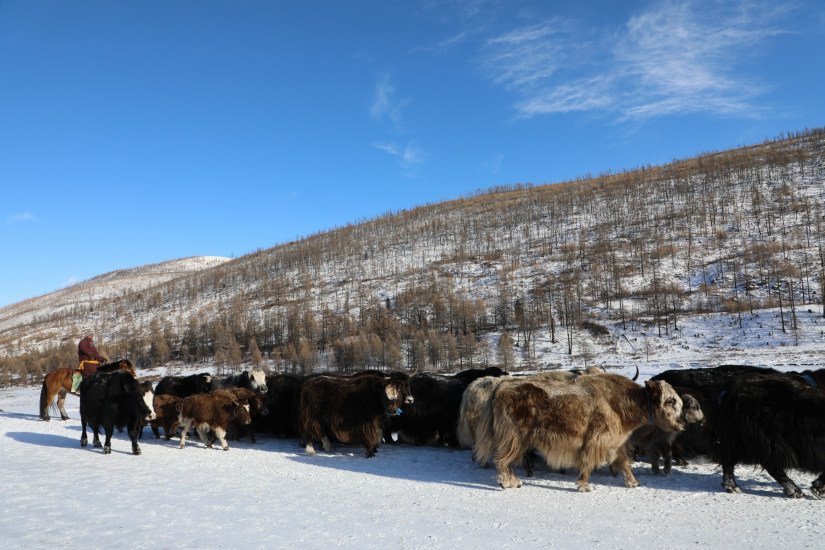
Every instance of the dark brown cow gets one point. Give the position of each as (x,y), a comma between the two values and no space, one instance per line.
(167,408)
(257,407)
(211,412)
(583,423)
(350,410)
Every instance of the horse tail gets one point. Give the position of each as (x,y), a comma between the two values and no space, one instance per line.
(44,400)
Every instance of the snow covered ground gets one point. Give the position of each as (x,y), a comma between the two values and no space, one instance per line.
(271,495)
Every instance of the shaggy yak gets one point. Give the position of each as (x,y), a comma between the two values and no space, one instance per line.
(434,415)
(581,423)
(776,421)
(479,391)
(351,410)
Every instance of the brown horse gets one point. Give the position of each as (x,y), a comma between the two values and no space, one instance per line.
(59,383)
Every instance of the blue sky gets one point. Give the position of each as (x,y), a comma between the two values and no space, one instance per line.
(137,132)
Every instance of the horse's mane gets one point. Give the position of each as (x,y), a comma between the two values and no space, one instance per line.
(115,365)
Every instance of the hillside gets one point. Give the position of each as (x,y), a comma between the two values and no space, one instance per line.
(605,268)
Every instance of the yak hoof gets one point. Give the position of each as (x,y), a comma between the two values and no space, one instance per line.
(107,450)
(83,443)
(584,488)
(793,492)
(631,483)
(732,488)
(98,444)
(817,492)
(309,449)
(46,418)
(682,462)
(64,418)
(136,451)
(225,448)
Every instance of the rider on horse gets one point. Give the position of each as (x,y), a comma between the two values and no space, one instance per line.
(89,359)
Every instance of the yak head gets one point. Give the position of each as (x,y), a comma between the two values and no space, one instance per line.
(691,410)
(145,398)
(240,409)
(664,406)
(204,383)
(256,381)
(260,405)
(396,392)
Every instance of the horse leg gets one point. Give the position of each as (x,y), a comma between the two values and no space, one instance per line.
(45,399)
(61,399)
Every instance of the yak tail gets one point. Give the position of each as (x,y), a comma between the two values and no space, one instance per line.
(485,445)
(466,425)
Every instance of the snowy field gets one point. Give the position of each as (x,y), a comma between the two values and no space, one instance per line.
(271,495)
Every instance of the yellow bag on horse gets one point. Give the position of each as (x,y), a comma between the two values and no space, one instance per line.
(77,377)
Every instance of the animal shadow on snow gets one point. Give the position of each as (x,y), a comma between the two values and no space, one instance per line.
(44,440)
(680,479)
(425,464)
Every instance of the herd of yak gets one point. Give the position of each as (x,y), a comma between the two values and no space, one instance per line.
(734,414)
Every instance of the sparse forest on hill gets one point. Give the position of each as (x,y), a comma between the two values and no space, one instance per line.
(736,232)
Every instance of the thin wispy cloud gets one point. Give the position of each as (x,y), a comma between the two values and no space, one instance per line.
(386,103)
(673,59)
(408,155)
(23,217)
(493,165)
(71,281)
(449,43)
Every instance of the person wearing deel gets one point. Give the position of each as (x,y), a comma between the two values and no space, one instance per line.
(89,359)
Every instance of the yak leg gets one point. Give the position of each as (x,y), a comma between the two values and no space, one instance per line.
(327,444)
(203,432)
(221,435)
(109,428)
(818,486)
(96,441)
(61,399)
(728,479)
(582,482)
(778,473)
(156,432)
(83,438)
(528,462)
(653,454)
(667,452)
(504,460)
(185,426)
(676,450)
(135,430)
(622,463)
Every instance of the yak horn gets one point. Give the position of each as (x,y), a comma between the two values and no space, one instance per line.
(604,369)
(414,372)
(637,373)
